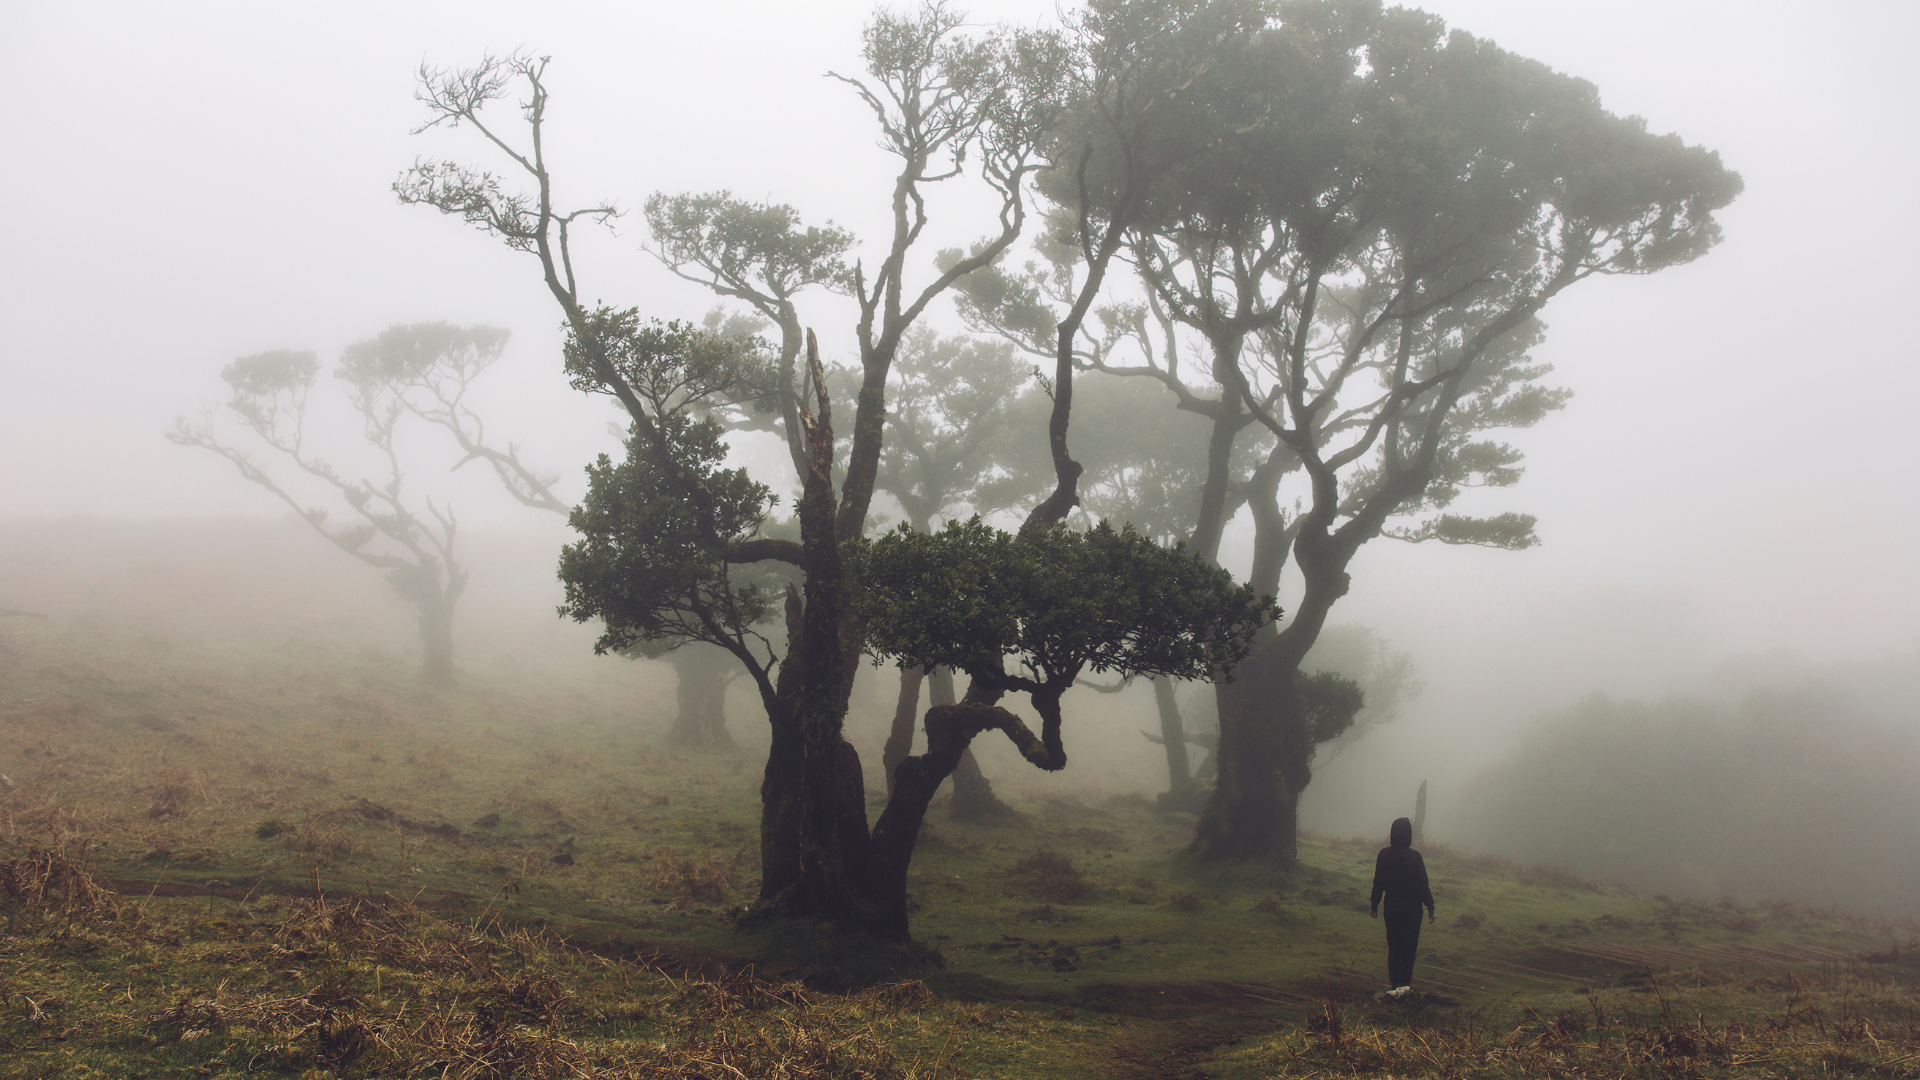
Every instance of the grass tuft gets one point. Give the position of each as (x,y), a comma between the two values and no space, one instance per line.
(1050,875)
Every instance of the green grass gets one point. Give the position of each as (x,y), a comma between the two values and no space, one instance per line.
(320,869)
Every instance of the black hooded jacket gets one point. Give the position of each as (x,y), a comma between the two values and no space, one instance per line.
(1400,873)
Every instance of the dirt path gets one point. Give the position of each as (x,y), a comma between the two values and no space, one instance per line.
(1191,1021)
(1178,1049)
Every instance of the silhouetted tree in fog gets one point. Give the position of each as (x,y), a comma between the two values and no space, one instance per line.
(391,533)
(1370,214)
(1351,653)
(430,370)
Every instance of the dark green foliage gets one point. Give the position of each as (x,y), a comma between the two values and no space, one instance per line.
(743,244)
(1328,703)
(671,365)
(652,564)
(645,565)
(1062,601)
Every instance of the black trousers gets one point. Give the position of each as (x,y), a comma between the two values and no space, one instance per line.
(1403,941)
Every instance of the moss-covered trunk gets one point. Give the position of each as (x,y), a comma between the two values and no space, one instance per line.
(822,810)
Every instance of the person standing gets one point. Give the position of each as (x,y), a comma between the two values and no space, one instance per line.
(1400,874)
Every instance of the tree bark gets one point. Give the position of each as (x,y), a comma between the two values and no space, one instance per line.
(950,732)
(1211,522)
(973,798)
(816,682)
(1264,747)
(950,728)
(780,788)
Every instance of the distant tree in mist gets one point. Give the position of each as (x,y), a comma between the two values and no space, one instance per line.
(1790,794)
(430,369)
(1387,681)
(388,527)
(423,371)
(1367,216)
(1348,655)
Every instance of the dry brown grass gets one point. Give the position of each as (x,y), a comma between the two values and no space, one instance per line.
(563,759)
(1186,901)
(328,841)
(1053,876)
(279,768)
(382,987)
(688,880)
(1823,1027)
(58,876)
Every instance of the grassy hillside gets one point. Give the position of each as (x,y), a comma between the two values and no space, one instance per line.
(247,858)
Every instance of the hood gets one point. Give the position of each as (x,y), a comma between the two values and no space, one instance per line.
(1401,834)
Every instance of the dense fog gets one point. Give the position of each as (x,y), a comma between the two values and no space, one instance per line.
(1803,790)
(1702,682)
(1757,777)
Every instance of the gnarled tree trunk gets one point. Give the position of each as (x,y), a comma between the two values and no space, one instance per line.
(822,808)
(950,732)
(973,798)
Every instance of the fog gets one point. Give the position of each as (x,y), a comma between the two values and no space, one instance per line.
(192,183)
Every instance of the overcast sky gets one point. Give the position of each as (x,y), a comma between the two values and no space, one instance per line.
(187,183)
